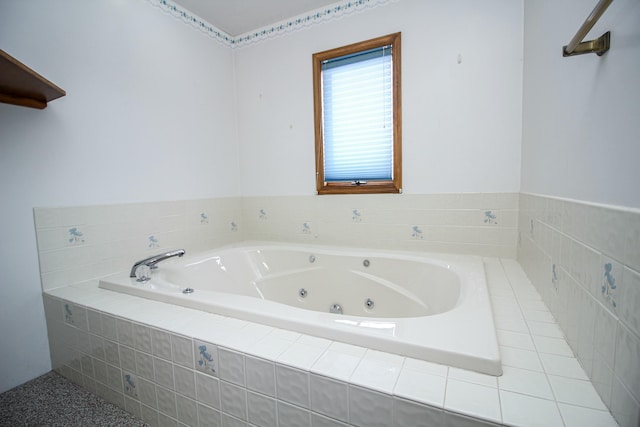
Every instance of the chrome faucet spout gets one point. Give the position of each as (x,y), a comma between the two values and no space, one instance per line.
(153,260)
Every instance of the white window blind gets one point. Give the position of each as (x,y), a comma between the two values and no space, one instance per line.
(357,97)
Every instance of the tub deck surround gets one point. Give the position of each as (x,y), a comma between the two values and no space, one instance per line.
(431,307)
(170,364)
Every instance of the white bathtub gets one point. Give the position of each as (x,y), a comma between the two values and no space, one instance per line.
(425,306)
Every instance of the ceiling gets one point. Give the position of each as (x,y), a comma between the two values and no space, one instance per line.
(236,17)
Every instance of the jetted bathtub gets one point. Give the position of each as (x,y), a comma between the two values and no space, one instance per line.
(426,306)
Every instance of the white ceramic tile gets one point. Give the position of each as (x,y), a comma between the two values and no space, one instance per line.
(369,408)
(627,356)
(128,359)
(144,365)
(185,381)
(473,377)
(473,400)
(525,382)
(161,343)
(271,347)
(231,366)
(407,413)
(421,387)
(562,366)
(149,415)
(575,392)
(187,410)
(182,350)
(528,411)
(132,406)
(318,420)
(518,358)
(95,322)
(234,400)
(111,352)
(208,390)
(292,385)
(425,367)
(539,316)
(166,401)
(545,329)
(602,378)
(377,374)
(163,372)
(292,416)
(552,346)
(97,346)
(260,375)
(629,301)
(511,324)
(578,416)
(301,356)
(261,410)
(114,378)
(141,337)
(329,397)
(336,365)
(208,417)
(515,339)
(624,407)
(147,392)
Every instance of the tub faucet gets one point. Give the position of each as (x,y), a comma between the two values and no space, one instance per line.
(152,261)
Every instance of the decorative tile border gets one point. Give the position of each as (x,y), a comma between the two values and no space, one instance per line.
(292,24)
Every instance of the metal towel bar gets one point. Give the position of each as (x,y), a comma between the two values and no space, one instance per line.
(598,46)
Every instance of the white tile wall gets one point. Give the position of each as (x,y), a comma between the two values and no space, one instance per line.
(483,224)
(585,260)
(76,244)
(377,389)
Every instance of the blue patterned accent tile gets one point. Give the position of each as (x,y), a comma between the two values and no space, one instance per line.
(204,219)
(130,384)
(234,226)
(68,313)
(75,237)
(609,287)
(306,228)
(206,358)
(153,242)
(490,218)
(262,214)
(531,229)
(356,215)
(416,233)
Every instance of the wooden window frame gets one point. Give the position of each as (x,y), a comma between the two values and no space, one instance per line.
(371,187)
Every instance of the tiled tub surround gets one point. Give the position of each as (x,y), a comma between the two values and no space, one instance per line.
(81,243)
(177,366)
(433,307)
(584,260)
(482,224)
(76,244)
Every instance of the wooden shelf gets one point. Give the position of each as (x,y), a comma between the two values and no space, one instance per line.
(20,85)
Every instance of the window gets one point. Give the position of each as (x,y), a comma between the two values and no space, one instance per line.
(357,115)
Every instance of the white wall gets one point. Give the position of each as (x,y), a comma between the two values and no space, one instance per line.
(461,122)
(148,116)
(581,127)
